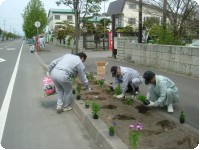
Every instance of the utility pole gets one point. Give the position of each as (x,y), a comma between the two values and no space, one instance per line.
(76,4)
(140,22)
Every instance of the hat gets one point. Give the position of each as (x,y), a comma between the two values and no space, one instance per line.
(148,75)
(114,70)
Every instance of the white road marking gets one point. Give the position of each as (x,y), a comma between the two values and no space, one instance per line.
(2,60)
(7,98)
(10,49)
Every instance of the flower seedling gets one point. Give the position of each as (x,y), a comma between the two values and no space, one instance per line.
(128,101)
(135,134)
(95,110)
(112,129)
(87,103)
(118,90)
(182,117)
(143,99)
(101,82)
(90,76)
(78,90)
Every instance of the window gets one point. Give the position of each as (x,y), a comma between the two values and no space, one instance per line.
(131,6)
(69,18)
(131,21)
(57,17)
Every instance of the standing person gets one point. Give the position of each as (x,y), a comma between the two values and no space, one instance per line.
(62,70)
(41,42)
(129,78)
(162,91)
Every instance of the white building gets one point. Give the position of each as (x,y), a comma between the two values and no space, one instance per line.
(127,12)
(60,15)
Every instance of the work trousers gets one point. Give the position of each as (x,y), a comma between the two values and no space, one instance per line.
(170,98)
(63,84)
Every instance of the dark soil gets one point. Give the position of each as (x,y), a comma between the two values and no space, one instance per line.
(158,132)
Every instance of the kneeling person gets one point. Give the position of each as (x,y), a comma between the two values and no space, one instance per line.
(162,91)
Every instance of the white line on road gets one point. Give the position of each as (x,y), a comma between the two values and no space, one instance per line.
(7,98)
(1,60)
(10,49)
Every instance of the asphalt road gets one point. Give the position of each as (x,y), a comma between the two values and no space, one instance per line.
(27,119)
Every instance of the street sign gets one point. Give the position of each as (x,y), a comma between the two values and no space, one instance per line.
(37,24)
(2,60)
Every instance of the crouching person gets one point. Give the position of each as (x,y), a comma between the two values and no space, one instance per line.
(162,91)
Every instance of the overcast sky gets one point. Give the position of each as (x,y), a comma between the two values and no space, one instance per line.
(11,10)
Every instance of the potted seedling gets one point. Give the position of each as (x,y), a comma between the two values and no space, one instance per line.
(128,101)
(78,90)
(74,91)
(95,110)
(182,117)
(143,99)
(101,82)
(90,76)
(112,129)
(118,90)
(87,103)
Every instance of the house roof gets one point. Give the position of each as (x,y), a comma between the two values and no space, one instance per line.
(61,11)
(116,7)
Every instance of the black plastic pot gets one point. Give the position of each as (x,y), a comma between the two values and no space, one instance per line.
(73,91)
(95,116)
(182,120)
(78,97)
(111,133)
(87,106)
(146,102)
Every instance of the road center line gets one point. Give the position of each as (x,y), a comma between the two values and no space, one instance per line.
(7,98)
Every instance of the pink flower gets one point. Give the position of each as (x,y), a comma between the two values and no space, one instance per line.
(131,126)
(139,126)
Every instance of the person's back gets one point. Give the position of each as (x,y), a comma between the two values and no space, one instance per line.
(68,63)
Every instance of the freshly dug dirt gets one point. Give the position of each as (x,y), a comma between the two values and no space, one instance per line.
(158,131)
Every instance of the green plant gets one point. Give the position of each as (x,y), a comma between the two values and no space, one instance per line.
(182,117)
(78,89)
(141,98)
(101,82)
(128,101)
(95,108)
(135,134)
(112,129)
(118,90)
(90,76)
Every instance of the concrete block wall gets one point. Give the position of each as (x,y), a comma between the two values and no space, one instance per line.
(180,59)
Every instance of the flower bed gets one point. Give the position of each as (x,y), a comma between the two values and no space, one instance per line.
(157,131)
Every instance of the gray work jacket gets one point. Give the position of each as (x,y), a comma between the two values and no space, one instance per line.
(72,65)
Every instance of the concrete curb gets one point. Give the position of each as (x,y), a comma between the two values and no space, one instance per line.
(97,128)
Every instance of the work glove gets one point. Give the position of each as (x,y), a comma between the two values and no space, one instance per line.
(120,96)
(89,89)
(151,104)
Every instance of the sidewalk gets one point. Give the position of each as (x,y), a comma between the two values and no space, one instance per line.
(188,87)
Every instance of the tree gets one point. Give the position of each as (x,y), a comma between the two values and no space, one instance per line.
(33,12)
(182,16)
(82,9)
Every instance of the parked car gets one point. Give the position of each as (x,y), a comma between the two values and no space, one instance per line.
(194,44)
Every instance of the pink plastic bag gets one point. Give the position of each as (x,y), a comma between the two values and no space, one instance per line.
(49,87)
